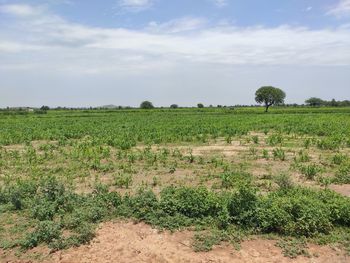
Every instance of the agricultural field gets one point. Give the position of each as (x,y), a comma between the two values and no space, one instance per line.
(221,176)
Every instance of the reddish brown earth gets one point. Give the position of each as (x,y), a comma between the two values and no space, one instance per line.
(126,242)
(341,189)
(129,242)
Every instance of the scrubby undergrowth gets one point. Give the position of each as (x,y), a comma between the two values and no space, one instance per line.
(61,218)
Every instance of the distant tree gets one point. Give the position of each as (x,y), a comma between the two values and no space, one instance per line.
(200,105)
(344,103)
(334,103)
(269,96)
(174,106)
(146,105)
(314,102)
(44,108)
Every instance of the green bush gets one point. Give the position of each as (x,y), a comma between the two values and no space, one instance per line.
(123,180)
(284,181)
(231,179)
(46,231)
(242,206)
(296,212)
(191,202)
(342,176)
(144,205)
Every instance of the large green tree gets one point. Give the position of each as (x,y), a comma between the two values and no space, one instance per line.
(146,105)
(314,101)
(269,96)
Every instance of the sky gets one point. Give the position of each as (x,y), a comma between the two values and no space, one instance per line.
(81,53)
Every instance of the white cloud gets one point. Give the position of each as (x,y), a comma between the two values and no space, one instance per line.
(49,42)
(342,9)
(220,3)
(177,25)
(20,10)
(15,47)
(135,5)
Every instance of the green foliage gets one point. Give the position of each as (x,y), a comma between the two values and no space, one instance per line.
(45,232)
(255,139)
(342,176)
(274,139)
(123,180)
(230,179)
(291,214)
(284,181)
(310,171)
(124,128)
(339,159)
(265,154)
(242,206)
(191,202)
(269,96)
(314,101)
(40,189)
(293,247)
(329,143)
(204,242)
(302,157)
(279,154)
(146,105)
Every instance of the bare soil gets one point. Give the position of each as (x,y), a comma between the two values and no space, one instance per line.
(341,189)
(126,242)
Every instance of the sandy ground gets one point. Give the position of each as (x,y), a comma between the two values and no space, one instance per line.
(129,242)
(341,189)
(126,242)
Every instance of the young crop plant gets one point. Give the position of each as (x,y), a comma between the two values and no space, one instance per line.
(265,154)
(253,151)
(123,180)
(329,143)
(307,143)
(255,139)
(274,139)
(302,157)
(279,154)
(339,158)
(342,175)
(310,171)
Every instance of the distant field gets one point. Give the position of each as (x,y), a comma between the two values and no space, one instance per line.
(226,174)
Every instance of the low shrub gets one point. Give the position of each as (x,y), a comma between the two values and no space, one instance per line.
(191,202)
(293,213)
(342,176)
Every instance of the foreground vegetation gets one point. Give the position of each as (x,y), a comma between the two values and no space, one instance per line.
(226,174)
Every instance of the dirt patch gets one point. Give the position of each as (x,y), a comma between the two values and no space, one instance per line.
(128,242)
(341,189)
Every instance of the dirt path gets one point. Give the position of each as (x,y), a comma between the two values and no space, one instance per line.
(127,242)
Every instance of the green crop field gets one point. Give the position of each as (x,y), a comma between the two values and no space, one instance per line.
(226,174)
